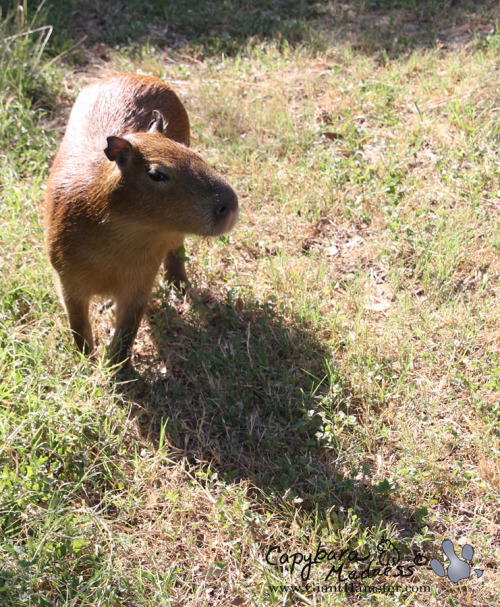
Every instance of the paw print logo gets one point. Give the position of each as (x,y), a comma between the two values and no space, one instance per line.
(458,569)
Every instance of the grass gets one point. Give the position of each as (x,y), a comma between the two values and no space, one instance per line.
(333,378)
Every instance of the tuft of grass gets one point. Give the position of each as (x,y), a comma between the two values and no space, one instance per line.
(332,379)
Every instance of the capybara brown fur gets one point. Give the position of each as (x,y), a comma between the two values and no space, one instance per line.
(123,191)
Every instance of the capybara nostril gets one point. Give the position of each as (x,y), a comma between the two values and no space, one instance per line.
(222,211)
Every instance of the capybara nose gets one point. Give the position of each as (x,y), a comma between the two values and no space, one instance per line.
(226,209)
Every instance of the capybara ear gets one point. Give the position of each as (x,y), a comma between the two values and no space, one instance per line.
(158,124)
(118,150)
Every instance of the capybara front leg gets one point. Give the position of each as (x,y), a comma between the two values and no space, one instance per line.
(78,315)
(128,318)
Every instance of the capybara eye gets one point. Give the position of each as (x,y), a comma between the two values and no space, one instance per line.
(156,175)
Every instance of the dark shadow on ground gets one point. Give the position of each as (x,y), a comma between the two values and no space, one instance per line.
(84,32)
(392,27)
(241,390)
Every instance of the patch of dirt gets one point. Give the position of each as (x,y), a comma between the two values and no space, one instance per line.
(345,245)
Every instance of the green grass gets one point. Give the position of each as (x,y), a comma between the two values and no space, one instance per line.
(334,375)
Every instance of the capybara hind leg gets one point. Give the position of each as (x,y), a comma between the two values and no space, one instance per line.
(109,303)
(174,262)
(78,315)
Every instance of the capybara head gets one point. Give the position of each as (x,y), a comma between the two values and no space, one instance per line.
(167,186)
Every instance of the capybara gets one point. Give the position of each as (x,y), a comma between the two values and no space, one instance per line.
(123,191)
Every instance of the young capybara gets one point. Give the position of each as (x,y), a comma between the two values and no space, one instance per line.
(123,191)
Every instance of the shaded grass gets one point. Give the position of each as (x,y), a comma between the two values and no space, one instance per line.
(385,28)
